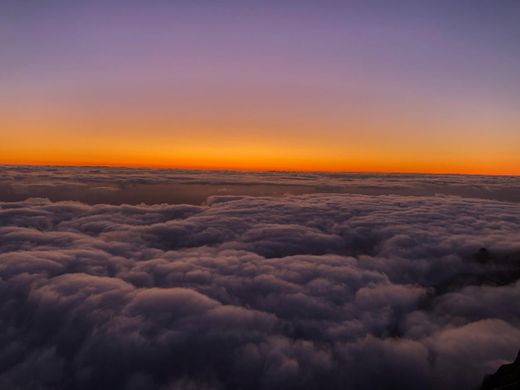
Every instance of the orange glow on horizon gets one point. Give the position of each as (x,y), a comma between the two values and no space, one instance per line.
(216,162)
(346,145)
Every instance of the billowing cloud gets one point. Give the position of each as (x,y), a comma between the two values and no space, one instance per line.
(297,291)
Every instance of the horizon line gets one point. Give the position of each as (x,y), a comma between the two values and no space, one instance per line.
(232,169)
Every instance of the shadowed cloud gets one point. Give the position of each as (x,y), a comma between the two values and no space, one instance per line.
(318,290)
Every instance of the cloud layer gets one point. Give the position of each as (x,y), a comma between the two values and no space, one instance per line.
(93,185)
(309,291)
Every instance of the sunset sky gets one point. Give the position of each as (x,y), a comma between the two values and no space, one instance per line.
(424,86)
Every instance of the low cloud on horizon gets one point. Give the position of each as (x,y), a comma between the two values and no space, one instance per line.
(94,185)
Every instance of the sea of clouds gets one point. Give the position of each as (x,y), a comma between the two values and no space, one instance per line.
(316,290)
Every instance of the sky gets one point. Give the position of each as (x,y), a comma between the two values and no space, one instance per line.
(408,86)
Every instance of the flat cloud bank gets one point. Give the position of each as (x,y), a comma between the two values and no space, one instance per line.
(302,291)
(94,185)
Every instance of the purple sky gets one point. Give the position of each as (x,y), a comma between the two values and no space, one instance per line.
(328,76)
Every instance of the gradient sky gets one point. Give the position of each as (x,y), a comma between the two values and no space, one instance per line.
(426,86)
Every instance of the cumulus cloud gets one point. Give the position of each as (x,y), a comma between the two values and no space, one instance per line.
(298,291)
